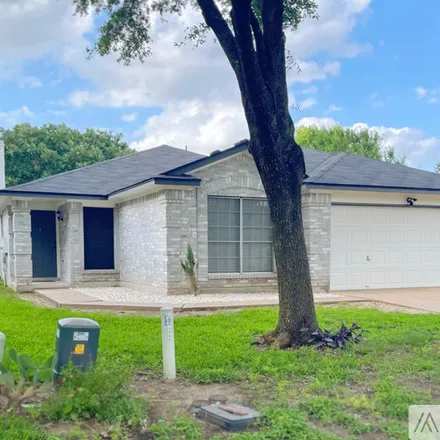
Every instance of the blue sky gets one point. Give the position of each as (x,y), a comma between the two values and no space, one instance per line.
(365,63)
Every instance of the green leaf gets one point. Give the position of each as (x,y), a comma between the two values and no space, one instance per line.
(7,379)
(13,355)
(45,375)
(27,362)
(48,363)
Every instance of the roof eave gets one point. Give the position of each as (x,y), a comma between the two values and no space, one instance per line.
(51,195)
(369,188)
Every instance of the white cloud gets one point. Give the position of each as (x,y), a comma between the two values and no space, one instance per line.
(129,117)
(431,96)
(203,126)
(13,117)
(312,90)
(421,151)
(307,103)
(421,92)
(30,29)
(333,108)
(29,81)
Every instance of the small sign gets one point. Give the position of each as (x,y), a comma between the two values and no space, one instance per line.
(79,349)
(80,336)
(424,422)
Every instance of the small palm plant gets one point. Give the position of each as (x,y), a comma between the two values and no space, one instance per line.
(190,268)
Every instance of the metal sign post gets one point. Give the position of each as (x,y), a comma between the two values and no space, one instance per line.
(168,350)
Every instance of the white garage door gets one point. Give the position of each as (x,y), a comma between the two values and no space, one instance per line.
(384,247)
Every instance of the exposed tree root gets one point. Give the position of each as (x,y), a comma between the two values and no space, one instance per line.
(282,340)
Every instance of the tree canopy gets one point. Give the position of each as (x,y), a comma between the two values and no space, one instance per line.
(338,139)
(35,152)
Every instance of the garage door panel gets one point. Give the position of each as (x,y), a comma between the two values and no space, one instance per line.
(395,237)
(395,217)
(413,237)
(377,278)
(378,236)
(412,277)
(430,237)
(358,257)
(396,257)
(375,247)
(395,278)
(377,216)
(358,237)
(339,258)
(431,257)
(357,279)
(414,257)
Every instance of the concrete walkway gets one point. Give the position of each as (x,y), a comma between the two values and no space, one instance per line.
(422,298)
(77,300)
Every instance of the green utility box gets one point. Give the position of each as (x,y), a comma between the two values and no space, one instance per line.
(77,342)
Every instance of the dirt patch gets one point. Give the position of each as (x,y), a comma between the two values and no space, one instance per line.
(169,400)
(383,307)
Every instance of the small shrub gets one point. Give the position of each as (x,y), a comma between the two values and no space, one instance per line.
(33,379)
(181,428)
(103,393)
(325,338)
(190,268)
(13,427)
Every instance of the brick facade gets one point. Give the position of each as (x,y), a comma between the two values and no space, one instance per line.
(152,233)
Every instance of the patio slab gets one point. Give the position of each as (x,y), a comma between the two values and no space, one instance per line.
(72,299)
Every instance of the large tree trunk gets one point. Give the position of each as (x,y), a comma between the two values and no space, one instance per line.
(256,52)
(282,180)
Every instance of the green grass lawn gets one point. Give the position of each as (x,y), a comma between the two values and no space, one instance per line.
(330,394)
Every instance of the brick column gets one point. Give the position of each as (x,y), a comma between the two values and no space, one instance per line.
(20,246)
(71,240)
(317,227)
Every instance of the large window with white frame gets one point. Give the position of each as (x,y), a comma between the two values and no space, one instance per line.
(239,235)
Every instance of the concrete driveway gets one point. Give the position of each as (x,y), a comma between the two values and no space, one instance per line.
(424,298)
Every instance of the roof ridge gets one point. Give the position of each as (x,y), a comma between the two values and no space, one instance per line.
(21,185)
(328,164)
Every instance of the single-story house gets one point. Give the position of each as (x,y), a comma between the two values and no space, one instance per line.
(128,221)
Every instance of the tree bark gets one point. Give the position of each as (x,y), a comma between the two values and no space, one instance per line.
(282,182)
(256,53)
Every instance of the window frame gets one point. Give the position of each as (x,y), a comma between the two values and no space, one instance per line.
(240,272)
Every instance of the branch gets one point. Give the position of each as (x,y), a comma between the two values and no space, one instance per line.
(241,20)
(272,17)
(218,24)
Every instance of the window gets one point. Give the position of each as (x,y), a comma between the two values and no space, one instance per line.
(239,235)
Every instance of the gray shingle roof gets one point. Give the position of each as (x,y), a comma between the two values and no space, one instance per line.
(113,175)
(345,169)
(174,165)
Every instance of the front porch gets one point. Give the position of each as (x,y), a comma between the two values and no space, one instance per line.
(57,244)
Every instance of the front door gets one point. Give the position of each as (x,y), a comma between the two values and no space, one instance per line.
(44,244)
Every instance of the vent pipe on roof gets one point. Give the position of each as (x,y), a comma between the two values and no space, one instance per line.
(2,165)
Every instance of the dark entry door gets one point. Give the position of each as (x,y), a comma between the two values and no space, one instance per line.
(44,244)
(98,238)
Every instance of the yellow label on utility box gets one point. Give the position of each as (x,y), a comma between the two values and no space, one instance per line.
(79,349)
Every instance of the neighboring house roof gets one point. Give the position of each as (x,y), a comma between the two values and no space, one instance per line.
(172,166)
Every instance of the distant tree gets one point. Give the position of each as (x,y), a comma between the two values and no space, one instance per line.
(437,168)
(339,139)
(35,152)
